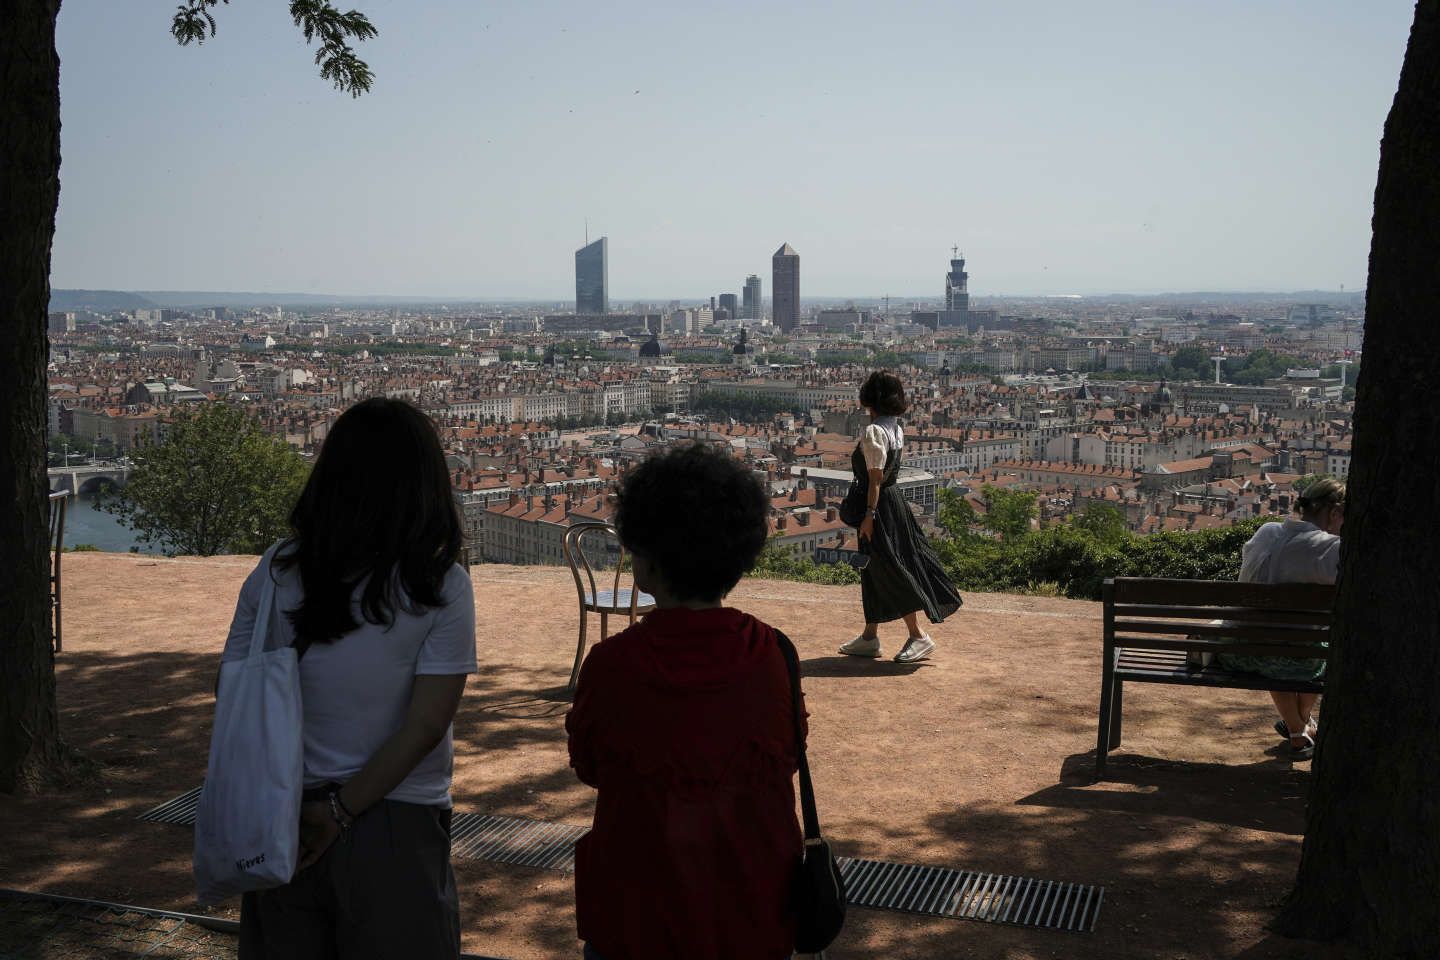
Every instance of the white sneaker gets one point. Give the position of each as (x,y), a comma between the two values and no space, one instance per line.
(862,646)
(916,648)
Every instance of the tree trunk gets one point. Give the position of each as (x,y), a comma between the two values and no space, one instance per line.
(29,191)
(1370,869)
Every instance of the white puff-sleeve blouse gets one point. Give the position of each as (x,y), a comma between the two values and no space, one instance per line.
(878,440)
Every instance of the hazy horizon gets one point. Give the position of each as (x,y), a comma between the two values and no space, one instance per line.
(1095,150)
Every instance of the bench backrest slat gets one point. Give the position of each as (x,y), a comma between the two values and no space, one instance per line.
(1246,649)
(1225,593)
(1153,611)
(1238,630)
(1273,620)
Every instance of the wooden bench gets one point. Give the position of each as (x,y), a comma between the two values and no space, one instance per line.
(1153,627)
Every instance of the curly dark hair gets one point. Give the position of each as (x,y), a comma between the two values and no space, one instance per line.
(884,393)
(698,514)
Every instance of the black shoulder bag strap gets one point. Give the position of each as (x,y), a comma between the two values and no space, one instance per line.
(819,888)
(807,789)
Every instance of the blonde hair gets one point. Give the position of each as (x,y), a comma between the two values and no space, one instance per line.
(1322,493)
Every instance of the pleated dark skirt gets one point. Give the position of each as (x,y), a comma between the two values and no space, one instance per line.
(904,575)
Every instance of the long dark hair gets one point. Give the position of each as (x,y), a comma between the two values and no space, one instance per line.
(377,505)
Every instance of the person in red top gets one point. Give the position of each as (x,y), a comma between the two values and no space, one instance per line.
(684,724)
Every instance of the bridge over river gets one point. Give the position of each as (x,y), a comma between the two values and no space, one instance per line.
(88,477)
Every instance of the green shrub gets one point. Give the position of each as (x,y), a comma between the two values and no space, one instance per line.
(1076,561)
(778,564)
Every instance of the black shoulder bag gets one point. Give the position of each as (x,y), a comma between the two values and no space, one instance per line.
(819,889)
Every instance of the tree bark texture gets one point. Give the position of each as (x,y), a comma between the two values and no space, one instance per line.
(29,192)
(1370,869)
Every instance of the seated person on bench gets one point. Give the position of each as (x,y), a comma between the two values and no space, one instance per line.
(1304,550)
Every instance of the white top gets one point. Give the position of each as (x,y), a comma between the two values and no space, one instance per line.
(356,690)
(1294,551)
(879,438)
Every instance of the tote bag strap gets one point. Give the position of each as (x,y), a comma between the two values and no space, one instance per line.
(261,630)
(807,789)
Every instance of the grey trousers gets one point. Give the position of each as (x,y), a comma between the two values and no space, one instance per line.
(384,891)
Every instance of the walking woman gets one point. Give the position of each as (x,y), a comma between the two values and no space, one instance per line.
(904,578)
(369,592)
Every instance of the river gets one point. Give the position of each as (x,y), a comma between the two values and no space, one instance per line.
(86,524)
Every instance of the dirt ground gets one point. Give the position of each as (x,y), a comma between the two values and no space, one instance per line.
(979,758)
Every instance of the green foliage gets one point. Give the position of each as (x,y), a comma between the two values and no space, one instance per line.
(777,563)
(1189,363)
(890,360)
(1259,366)
(381,348)
(752,409)
(697,356)
(1008,512)
(1104,523)
(1190,555)
(82,548)
(1193,363)
(215,484)
(1072,560)
(955,515)
(194,23)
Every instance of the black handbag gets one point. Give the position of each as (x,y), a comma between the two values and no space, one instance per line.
(854,507)
(819,888)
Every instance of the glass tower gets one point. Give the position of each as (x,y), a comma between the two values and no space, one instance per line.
(592,278)
(785,287)
(750,304)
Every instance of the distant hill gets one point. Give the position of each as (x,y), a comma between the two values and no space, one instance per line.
(244,299)
(100,301)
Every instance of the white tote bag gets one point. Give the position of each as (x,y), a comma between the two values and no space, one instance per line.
(247,827)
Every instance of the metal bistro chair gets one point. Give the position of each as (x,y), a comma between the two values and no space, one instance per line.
(57,541)
(616,600)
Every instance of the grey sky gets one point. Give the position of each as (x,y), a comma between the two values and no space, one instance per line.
(1066,147)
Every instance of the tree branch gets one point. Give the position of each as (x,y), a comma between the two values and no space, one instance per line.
(317,19)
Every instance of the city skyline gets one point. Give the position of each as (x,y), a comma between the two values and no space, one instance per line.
(1111,151)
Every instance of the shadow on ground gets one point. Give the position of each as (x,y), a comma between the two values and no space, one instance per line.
(857,667)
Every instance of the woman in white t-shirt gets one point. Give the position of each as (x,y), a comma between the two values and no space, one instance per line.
(369,591)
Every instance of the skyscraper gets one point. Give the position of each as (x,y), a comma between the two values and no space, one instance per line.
(730,304)
(592,278)
(957,295)
(751,303)
(785,284)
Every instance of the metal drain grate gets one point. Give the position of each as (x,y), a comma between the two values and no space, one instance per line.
(180,811)
(473,836)
(526,843)
(877,884)
(968,895)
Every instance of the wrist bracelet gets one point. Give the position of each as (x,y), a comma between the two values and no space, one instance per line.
(339,800)
(336,815)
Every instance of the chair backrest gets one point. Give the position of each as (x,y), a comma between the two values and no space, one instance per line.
(582,567)
(1257,619)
